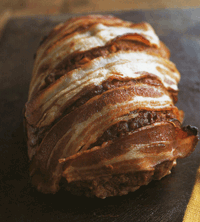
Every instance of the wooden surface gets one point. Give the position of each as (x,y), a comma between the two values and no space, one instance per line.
(19,8)
(163,200)
(28,7)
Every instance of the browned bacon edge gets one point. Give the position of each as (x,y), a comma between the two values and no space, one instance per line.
(94,100)
(83,23)
(157,145)
(78,59)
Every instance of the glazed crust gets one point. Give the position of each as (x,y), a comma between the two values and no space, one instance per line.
(101,116)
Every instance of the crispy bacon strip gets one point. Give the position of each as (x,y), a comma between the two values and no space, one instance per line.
(141,150)
(119,66)
(98,34)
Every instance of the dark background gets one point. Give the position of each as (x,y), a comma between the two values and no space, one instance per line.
(163,200)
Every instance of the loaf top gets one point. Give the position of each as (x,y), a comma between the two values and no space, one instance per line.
(87,51)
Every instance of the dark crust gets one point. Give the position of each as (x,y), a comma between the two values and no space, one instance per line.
(77,59)
(117,185)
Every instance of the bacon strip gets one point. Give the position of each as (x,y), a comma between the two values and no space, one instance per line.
(78,59)
(119,66)
(98,34)
(141,150)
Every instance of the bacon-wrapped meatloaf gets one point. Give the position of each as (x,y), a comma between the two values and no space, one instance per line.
(100,116)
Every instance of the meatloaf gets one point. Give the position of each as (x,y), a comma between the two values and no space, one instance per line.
(101,117)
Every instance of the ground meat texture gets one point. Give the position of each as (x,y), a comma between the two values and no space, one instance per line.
(119,184)
(108,85)
(77,59)
(144,117)
(120,129)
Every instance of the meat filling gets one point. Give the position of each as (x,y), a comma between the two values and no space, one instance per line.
(144,117)
(77,59)
(119,184)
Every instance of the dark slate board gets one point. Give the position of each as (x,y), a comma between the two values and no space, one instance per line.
(164,200)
